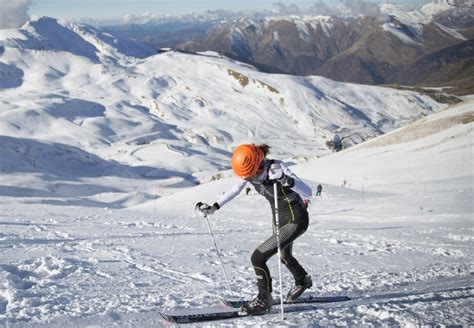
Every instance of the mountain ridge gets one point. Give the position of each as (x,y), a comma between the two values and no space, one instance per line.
(347,46)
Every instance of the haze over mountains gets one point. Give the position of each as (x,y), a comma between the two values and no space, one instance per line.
(352,41)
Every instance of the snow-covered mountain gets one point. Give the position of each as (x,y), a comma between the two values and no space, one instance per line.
(74,97)
(48,34)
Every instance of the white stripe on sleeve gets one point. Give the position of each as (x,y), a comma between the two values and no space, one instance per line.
(230,194)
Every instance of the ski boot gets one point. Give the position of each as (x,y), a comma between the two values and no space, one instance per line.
(299,288)
(260,305)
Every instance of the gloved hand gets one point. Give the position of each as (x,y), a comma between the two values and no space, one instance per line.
(275,172)
(207,209)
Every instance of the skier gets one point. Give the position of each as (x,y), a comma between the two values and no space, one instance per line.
(249,162)
(319,190)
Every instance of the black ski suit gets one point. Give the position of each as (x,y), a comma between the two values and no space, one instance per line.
(293,219)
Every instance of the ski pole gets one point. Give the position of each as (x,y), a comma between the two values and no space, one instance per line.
(277,223)
(218,254)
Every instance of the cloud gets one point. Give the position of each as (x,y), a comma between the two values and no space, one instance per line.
(364,8)
(282,9)
(13,13)
(336,8)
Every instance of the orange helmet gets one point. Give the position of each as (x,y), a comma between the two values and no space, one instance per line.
(246,160)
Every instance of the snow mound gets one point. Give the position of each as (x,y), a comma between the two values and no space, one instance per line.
(27,287)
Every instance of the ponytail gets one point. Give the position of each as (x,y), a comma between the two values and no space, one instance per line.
(265,148)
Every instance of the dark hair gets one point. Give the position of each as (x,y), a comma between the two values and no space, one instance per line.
(265,148)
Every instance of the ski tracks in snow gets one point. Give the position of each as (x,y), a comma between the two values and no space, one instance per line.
(80,262)
(420,303)
(61,263)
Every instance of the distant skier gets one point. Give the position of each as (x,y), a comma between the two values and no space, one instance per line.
(319,190)
(249,162)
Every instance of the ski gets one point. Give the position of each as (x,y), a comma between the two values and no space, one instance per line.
(213,314)
(236,303)
(201,315)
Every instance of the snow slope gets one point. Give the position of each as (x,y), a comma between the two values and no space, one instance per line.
(398,239)
(409,25)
